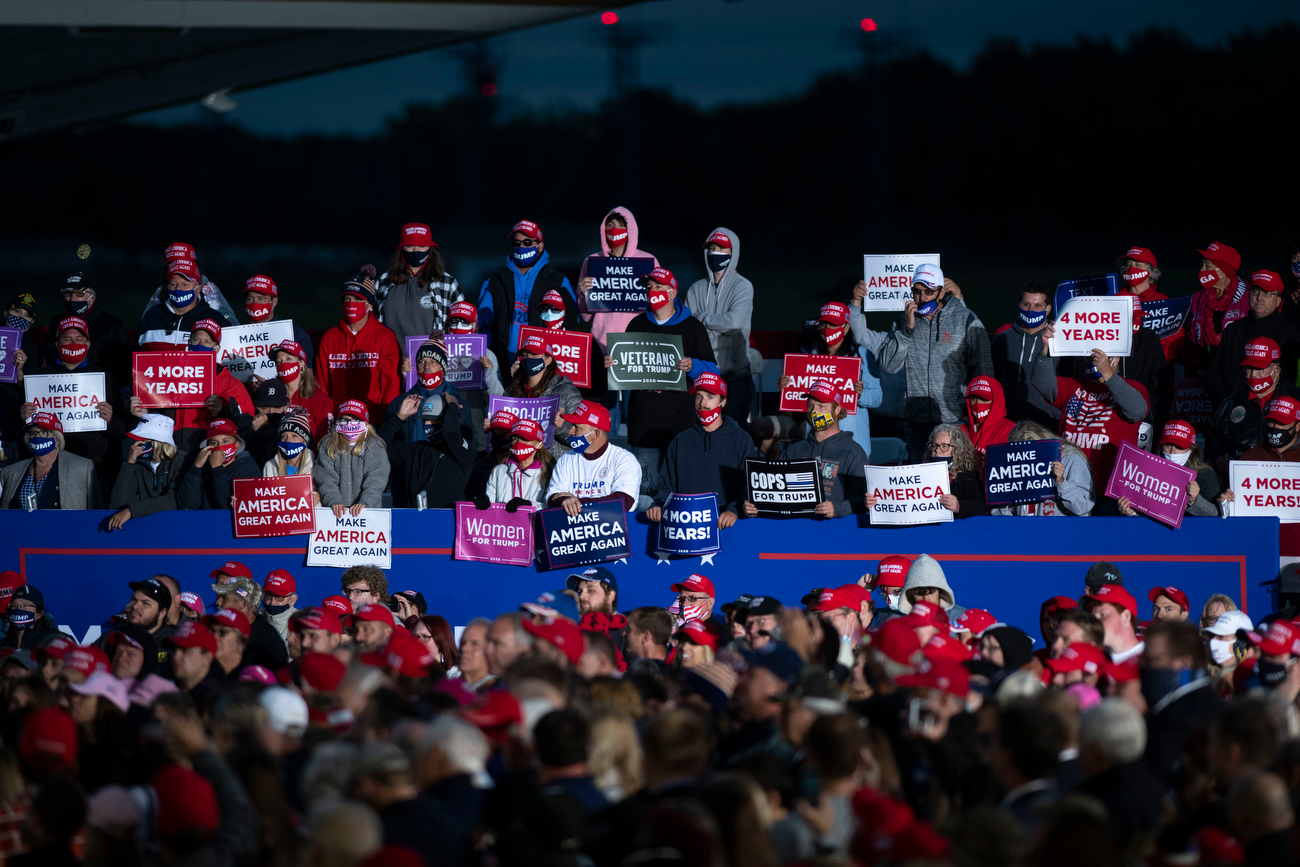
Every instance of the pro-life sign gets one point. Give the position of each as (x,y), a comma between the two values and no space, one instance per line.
(909,495)
(366,539)
(616,284)
(73,397)
(465,352)
(278,506)
(688,525)
(494,535)
(597,534)
(173,379)
(1091,322)
(571,349)
(889,278)
(783,487)
(1264,489)
(842,371)
(246,349)
(1020,472)
(646,361)
(542,410)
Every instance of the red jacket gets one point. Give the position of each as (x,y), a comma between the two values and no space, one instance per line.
(224,386)
(1090,420)
(996,427)
(321,409)
(361,366)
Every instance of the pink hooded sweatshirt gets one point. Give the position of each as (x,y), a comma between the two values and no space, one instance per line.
(612,323)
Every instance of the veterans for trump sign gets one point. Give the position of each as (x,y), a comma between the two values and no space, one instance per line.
(783,487)
(1154,486)
(1269,489)
(616,285)
(352,540)
(280,506)
(494,534)
(540,409)
(173,379)
(889,278)
(1094,322)
(246,349)
(689,525)
(597,534)
(841,371)
(73,397)
(571,350)
(646,361)
(909,495)
(1020,472)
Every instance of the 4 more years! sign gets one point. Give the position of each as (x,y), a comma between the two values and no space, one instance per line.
(1265,489)
(273,507)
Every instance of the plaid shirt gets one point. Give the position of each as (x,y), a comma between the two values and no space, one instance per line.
(435,302)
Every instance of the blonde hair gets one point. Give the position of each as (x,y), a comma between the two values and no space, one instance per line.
(1221,598)
(335,444)
(615,758)
(1027,431)
(163,451)
(59,442)
(307,384)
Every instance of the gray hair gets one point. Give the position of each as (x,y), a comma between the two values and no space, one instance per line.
(1117,729)
(325,777)
(462,744)
(58,438)
(522,636)
(344,833)
(963,450)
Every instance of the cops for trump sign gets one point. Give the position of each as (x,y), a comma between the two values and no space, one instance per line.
(689,525)
(889,278)
(646,361)
(1020,472)
(365,539)
(73,397)
(909,495)
(278,506)
(783,487)
(597,534)
(494,535)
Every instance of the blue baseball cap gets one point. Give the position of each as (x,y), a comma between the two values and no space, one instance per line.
(593,573)
(553,602)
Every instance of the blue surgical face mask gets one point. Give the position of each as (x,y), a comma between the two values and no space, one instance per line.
(532,366)
(578,444)
(927,308)
(180,297)
(291,449)
(17,322)
(718,262)
(550,314)
(199,347)
(525,255)
(1032,318)
(42,445)
(146,451)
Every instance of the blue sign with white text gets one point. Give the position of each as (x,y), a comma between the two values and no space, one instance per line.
(1165,317)
(1020,472)
(616,286)
(597,534)
(689,525)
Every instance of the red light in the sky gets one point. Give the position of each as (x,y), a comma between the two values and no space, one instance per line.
(868,24)
(608,18)
(488,89)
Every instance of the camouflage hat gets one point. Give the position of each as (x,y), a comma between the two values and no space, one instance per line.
(243,587)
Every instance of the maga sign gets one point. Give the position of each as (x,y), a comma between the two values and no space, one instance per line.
(616,287)
(11,340)
(1155,487)
(246,349)
(783,487)
(1020,472)
(73,397)
(1094,322)
(1192,403)
(493,535)
(597,534)
(689,525)
(540,409)
(1267,489)
(646,361)
(572,351)
(365,539)
(1165,317)
(273,507)
(173,379)
(889,278)
(842,371)
(909,495)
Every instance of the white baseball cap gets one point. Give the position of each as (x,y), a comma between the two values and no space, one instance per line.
(1229,623)
(154,427)
(285,710)
(930,275)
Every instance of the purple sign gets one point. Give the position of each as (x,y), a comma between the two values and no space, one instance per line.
(11,340)
(463,353)
(493,535)
(1156,487)
(542,410)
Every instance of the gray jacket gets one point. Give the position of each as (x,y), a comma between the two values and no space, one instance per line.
(350,479)
(411,311)
(562,387)
(843,469)
(1013,353)
(77,486)
(939,356)
(1075,495)
(725,310)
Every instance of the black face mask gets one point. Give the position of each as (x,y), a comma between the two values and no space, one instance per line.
(1276,437)
(433,432)
(718,262)
(1271,674)
(75,307)
(415,259)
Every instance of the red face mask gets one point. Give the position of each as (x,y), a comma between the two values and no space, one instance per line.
(73,353)
(980,411)
(1263,384)
(657,299)
(522,453)
(833,336)
(229,451)
(258,311)
(616,236)
(288,371)
(708,416)
(431,380)
(354,311)
(1133,276)
(1208,278)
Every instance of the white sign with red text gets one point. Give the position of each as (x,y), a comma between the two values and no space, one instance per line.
(73,397)
(1264,489)
(366,539)
(245,349)
(1089,322)
(909,495)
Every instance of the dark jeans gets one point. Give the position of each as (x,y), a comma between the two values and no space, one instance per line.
(740,395)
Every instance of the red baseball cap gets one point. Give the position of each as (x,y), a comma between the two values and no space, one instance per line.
(1179,433)
(695,584)
(321,671)
(188,267)
(1283,409)
(417,235)
(833,600)
(1269,281)
(280,583)
(179,250)
(561,632)
(49,739)
(9,582)
(974,621)
(503,419)
(1059,603)
(836,313)
(186,803)
(404,655)
(1221,254)
(46,420)
(191,633)
(1173,594)
(1139,254)
(317,618)
(463,310)
(980,387)
(946,647)
(923,614)
(1282,638)
(56,649)
(662,276)
(942,673)
(589,412)
(234,569)
(528,429)
(1116,595)
(534,343)
(375,613)
(292,347)
(262,283)
(856,592)
(529,228)
(897,642)
(354,408)
(341,605)
(711,383)
(822,391)
(73,322)
(1260,353)
(553,299)
(1080,656)
(892,571)
(221,427)
(87,660)
(209,325)
(698,632)
(495,714)
(229,617)
(719,238)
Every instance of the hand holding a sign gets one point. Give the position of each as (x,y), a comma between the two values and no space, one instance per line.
(405,367)
(339,509)
(20,358)
(214,404)
(571,505)
(1126,507)
(1102,362)
(137,407)
(825,509)
(859,292)
(1047,334)
(105,410)
(949,502)
(1058,470)
(27,410)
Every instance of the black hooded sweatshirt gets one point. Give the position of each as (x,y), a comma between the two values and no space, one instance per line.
(439,469)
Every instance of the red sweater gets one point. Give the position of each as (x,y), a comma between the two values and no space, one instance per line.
(225,386)
(321,409)
(361,366)
(1090,420)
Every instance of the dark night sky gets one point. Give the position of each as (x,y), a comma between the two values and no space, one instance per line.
(716,52)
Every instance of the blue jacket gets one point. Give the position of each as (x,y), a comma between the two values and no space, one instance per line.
(523,302)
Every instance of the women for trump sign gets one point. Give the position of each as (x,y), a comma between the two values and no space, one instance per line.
(1154,486)
(494,534)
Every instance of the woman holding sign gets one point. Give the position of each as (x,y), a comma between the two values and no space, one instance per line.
(965,480)
(223,458)
(619,236)
(1178,444)
(294,370)
(523,479)
(229,398)
(534,374)
(1074,492)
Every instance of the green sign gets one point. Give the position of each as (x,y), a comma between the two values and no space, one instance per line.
(646,361)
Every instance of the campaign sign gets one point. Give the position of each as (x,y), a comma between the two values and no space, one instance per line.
(597,534)
(889,278)
(1155,487)
(11,340)
(909,495)
(493,535)
(366,539)
(616,287)
(783,487)
(1106,284)
(572,351)
(646,361)
(1165,317)
(1269,489)
(1020,472)
(1192,403)
(1094,322)
(246,349)
(463,369)
(73,397)
(689,525)
(842,371)
(542,410)
(279,506)
(173,379)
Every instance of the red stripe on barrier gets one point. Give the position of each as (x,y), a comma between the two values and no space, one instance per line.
(194,552)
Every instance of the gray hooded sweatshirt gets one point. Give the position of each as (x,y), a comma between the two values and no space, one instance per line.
(1013,353)
(939,356)
(725,308)
(926,572)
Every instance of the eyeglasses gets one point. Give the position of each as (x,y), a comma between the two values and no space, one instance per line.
(940,447)
(923,291)
(356,591)
(693,600)
(523,242)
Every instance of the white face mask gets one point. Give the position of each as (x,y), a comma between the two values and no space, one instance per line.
(1221,651)
(892,599)
(1181,460)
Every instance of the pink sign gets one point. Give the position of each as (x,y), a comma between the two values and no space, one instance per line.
(494,535)
(1156,487)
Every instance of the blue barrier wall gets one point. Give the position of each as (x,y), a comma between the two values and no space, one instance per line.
(1008,565)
